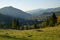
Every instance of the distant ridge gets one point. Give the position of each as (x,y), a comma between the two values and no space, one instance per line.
(38,12)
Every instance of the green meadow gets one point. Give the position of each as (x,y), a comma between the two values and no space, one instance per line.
(49,33)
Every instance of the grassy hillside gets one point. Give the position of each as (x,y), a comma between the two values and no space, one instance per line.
(50,33)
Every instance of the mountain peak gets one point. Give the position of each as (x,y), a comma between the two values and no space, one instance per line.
(11,11)
(10,7)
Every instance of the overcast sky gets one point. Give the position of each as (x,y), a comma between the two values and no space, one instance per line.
(27,5)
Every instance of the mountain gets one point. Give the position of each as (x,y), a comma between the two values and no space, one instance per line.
(14,12)
(36,12)
(39,12)
(9,13)
(43,14)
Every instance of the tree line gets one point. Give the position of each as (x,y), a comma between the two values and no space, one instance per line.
(15,24)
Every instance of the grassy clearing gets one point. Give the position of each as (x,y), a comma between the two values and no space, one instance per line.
(50,33)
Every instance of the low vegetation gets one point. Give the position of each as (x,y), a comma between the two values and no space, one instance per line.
(49,33)
(58,18)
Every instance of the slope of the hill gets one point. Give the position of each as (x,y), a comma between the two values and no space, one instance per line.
(49,33)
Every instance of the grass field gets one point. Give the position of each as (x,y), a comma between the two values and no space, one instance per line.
(50,33)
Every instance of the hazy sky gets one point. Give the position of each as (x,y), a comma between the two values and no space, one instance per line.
(30,4)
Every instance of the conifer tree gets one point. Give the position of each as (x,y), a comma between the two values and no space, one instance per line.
(53,19)
(14,24)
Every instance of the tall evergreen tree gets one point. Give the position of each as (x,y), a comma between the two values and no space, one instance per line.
(36,24)
(14,23)
(53,19)
(17,24)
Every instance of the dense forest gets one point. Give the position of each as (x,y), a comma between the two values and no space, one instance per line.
(35,24)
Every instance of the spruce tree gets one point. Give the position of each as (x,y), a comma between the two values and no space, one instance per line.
(53,19)
(17,24)
(14,24)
